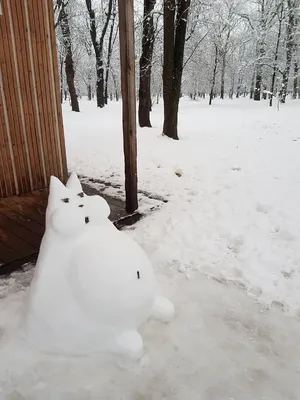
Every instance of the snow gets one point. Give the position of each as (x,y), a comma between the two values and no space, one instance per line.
(225,249)
(222,345)
(232,182)
(102,296)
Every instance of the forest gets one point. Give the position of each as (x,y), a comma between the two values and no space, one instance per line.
(225,48)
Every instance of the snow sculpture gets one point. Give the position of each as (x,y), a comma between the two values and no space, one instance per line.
(93,285)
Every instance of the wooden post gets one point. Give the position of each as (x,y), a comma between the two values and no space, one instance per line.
(126,31)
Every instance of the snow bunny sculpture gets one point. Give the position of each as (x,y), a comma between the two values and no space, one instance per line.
(93,286)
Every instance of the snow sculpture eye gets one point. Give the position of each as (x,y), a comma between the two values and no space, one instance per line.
(81,194)
(66,200)
(87,220)
(80,205)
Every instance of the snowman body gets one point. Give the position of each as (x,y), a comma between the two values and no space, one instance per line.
(93,286)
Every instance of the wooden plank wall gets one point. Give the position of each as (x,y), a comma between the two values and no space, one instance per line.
(32,146)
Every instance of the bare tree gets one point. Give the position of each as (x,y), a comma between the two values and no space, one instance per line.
(260,25)
(213,81)
(296,89)
(111,42)
(175,22)
(146,64)
(223,56)
(260,52)
(88,46)
(63,22)
(230,22)
(98,48)
(290,34)
(276,53)
(257,44)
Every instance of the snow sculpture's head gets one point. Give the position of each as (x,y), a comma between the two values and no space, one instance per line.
(70,211)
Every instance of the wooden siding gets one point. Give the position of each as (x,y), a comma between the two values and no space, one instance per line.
(32,144)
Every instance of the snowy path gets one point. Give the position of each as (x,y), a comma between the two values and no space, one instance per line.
(221,346)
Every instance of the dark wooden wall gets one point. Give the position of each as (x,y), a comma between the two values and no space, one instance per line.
(32,144)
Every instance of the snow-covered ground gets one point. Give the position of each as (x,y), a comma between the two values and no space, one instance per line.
(225,248)
(234,211)
(221,346)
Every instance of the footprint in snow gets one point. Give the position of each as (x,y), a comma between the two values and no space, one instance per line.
(278,305)
(286,236)
(262,208)
(235,243)
(288,274)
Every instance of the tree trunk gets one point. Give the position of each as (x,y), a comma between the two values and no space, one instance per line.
(258,74)
(89,90)
(214,76)
(146,64)
(273,86)
(289,48)
(168,69)
(296,80)
(111,42)
(88,81)
(238,89)
(275,67)
(116,86)
(264,93)
(260,53)
(224,64)
(69,65)
(286,74)
(174,41)
(223,76)
(100,80)
(98,47)
(252,86)
(257,89)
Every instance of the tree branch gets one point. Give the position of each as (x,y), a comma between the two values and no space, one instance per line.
(195,48)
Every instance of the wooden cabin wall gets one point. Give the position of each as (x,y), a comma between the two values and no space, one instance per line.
(32,146)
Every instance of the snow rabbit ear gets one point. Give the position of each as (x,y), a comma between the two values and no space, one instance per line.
(57,189)
(74,183)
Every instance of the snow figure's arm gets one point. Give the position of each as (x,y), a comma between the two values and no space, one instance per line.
(129,343)
(163,309)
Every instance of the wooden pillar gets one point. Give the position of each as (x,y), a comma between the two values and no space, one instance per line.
(126,31)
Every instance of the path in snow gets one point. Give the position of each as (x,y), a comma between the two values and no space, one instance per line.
(221,346)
